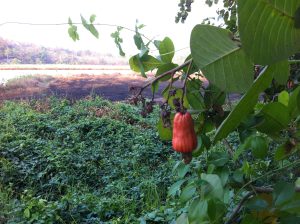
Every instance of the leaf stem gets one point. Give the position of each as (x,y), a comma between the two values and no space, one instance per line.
(184,84)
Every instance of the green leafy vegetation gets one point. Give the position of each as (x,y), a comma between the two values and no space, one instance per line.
(98,162)
(90,162)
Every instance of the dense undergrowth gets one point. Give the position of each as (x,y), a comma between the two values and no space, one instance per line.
(86,162)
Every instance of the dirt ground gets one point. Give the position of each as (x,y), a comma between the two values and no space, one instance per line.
(114,87)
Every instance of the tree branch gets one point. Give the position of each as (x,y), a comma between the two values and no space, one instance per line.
(266,190)
(238,207)
(229,148)
(172,71)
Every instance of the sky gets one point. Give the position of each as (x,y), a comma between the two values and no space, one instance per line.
(157,15)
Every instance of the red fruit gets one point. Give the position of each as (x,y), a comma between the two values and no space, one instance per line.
(184,137)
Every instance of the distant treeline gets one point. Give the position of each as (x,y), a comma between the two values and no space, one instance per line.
(12,52)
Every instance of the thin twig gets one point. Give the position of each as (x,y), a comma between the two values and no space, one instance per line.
(269,190)
(238,207)
(170,87)
(229,148)
(266,190)
(184,84)
(172,71)
(270,173)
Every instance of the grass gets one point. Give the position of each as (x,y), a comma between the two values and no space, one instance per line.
(91,161)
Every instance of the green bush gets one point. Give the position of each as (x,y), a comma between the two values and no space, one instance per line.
(88,162)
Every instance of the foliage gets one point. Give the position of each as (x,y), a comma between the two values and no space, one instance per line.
(254,179)
(245,168)
(87,162)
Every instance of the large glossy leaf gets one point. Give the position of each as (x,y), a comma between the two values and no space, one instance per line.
(215,183)
(187,193)
(246,104)
(164,68)
(268,29)
(166,50)
(193,94)
(284,71)
(283,192)
(220,58)
(165,134)
(143,64)
(175,187)
(197,210)
(276,117)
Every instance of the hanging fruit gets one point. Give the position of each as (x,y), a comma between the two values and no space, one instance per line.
(184,138)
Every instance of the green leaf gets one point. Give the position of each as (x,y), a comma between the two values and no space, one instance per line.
(154,86)
(282,72)
(175,187)
(200,147)
(215,210)
(94,31)
(193,94)
(242,147)
(182,170)
(197,210)
(165,134)
(215,183)
(294,103)
(138,41)
(148,62)
(276,117)
(214,96)
(268,31)
(157,43)
(164,68)
(182,219)
(280,153)
(283,98)
(177,95)
(221,59)
(187,193)
(144,51)
(73,33)
(92,18)
(70,21)
(89,27)
(250,219)
(238,176)
(289,219)
(166,50)
(293,206)
(283,192)
(84,22)
(218,158)
(259,147)
(118,40)
(245,105)
(223,173)
(257,204)
(27,213)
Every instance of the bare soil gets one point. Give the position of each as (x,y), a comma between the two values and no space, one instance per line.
(114,87)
